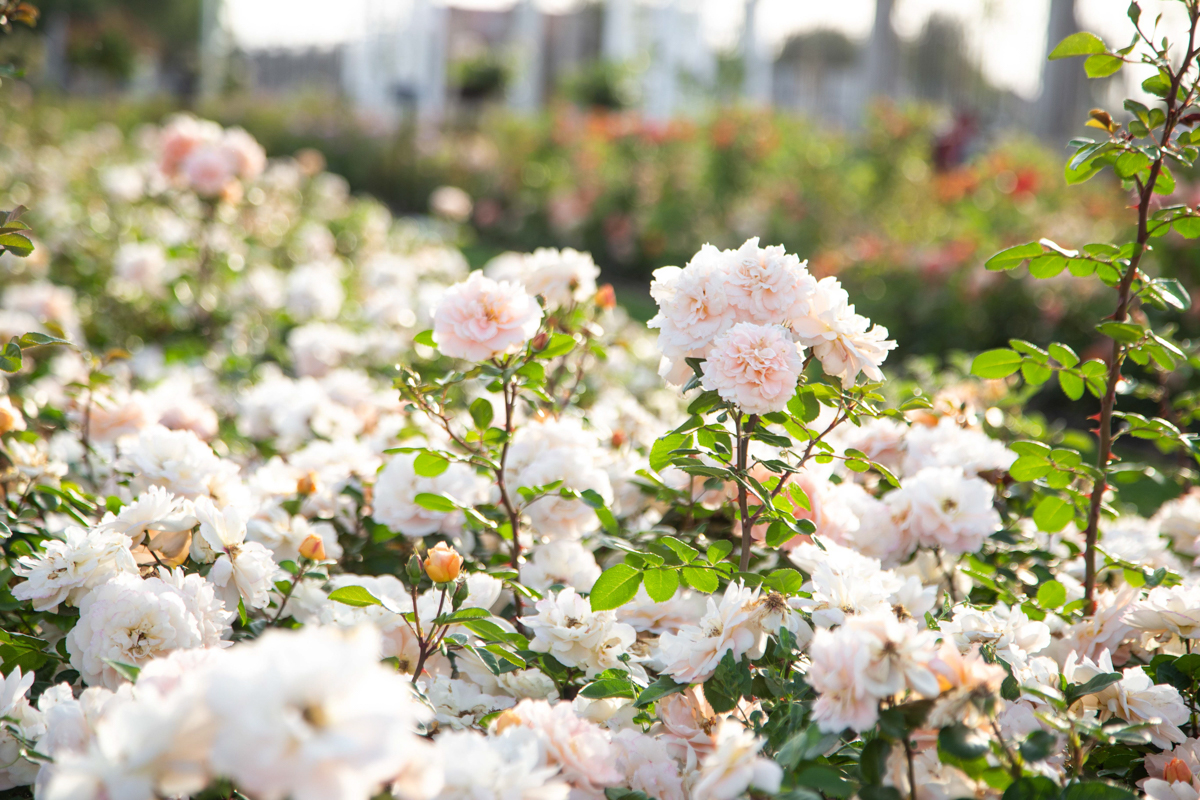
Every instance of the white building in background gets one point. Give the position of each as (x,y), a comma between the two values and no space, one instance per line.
(399,65)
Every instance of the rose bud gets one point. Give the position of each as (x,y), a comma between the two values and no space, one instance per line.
(1176,771)
(308,484)
(443,563)
(10,417)
(606,296)
(313,548)
(540,341)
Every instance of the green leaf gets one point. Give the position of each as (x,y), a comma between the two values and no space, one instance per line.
(127,671)
(462,615)
(1097,684)
(804,406)
(355,596)
(661,584)
(702,580)
(1188,227)
(429,464)
(10,357)
(434,502)
(1097,790)
(999,363)
(1013,256)
(660,451)
(481,413)
(687,554)
(621,793)
(608,687)
(425,338)
(615,587)
(1051,594)
(662,687)
(559,345)
(1078,44)
(785,581)
(1174,293)
(1101,65)
(729,683)
(34,339)
(1039,745)
(717,551)
(1053,513)
(16,244)
(1123,332)
(1036,788)
(962,742)
(1071,384)
(1063,354)
(872,764)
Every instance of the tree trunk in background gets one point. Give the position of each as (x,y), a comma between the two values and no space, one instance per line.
(54,54)
(1064,85)
(883,53)
(214,49)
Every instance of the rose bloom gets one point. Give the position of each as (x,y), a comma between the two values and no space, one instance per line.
(735,766)
(480,318)
(209,169)
(443,563)
(769,284)
(754,366)
(1168,610)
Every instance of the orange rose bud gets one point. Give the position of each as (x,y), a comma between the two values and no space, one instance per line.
(308,484)
(1176,771)
(606,297)
(313,548)
(443,563)
(540,341)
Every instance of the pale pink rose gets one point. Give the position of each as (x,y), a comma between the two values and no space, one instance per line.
(180,137)
(209,169)
(687,723)
(648,765)
(580,748)
(768,284)
(247,154)
(480,318)
(843,341)
(692,304)
(754,366)
(839,660)
(735,766)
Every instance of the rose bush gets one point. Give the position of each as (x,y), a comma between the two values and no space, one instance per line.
(297,505)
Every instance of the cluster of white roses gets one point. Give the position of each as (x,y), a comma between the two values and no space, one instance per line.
(242,487)
(748,312)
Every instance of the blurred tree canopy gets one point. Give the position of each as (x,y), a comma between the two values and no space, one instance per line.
(108,35)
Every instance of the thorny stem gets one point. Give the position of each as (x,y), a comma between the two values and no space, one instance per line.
(1124,300)
(1014,764)
(783,479)
(514,516)
(743,445)
(425,646)
(300,568)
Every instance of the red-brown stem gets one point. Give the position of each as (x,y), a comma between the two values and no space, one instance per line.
(743,445)
(514,516)
(1124,299)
